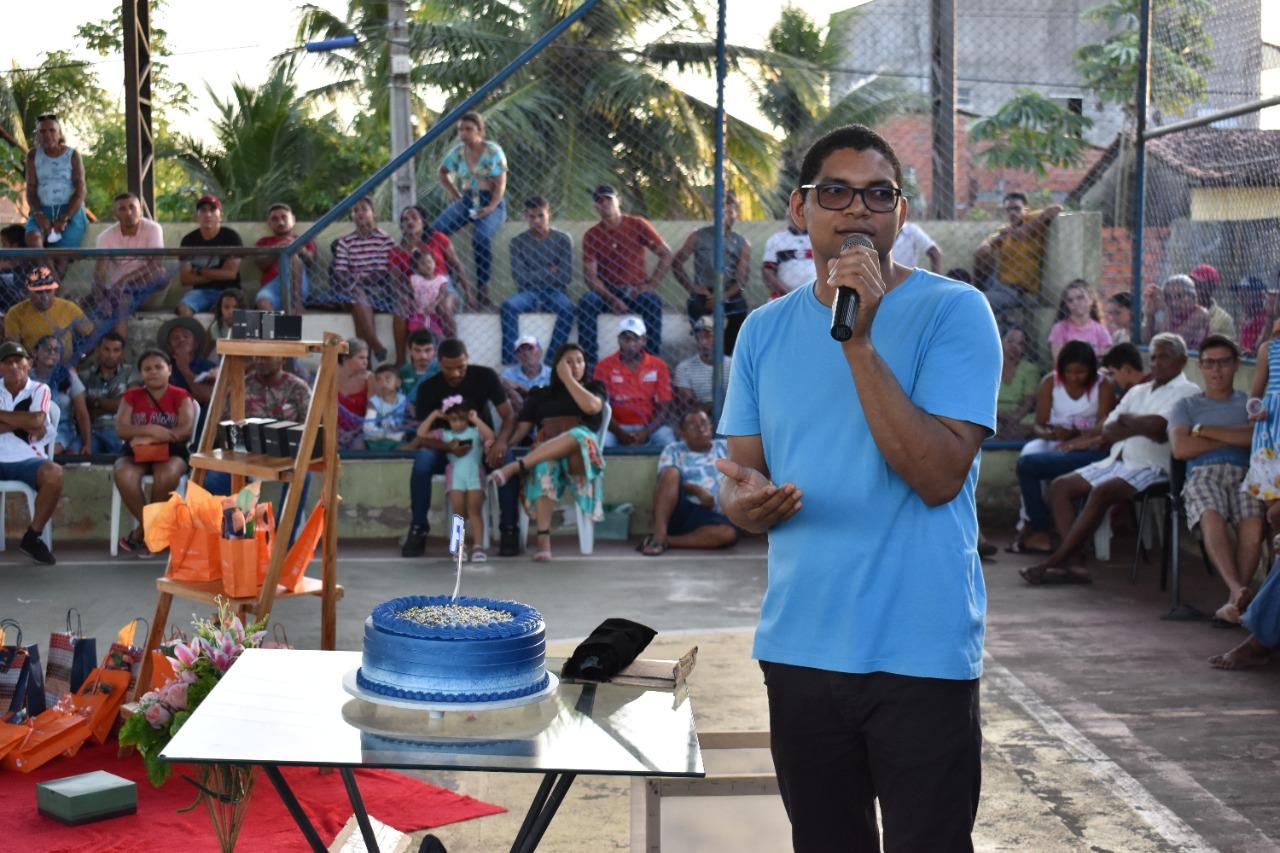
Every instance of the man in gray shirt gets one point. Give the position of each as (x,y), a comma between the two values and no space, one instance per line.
(541,265)
(1212,434)
(737,269)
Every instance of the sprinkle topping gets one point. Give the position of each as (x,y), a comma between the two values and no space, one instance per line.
(454,615)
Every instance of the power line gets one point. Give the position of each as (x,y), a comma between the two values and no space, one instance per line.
(115,60)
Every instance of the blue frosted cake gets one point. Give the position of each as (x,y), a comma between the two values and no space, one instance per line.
(432,649)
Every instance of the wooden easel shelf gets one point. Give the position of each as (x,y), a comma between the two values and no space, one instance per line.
(283,349)
(256,465)
(208,591)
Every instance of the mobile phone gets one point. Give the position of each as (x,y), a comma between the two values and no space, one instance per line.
(465,445)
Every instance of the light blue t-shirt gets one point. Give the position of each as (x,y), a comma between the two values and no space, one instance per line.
(516,376)
(696,468)
(867,577)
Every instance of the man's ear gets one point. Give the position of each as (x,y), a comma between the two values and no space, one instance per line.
(902,212)
(795,207)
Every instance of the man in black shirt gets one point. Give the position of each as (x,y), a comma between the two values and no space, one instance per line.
(208,276)
(478,386)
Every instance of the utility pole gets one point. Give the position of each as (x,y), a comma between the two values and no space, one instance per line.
(139,146)
(404,190)
(942,97)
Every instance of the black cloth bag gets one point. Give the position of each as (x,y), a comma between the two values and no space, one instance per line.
(612,646)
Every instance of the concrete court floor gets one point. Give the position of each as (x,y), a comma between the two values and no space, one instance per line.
(1104,728)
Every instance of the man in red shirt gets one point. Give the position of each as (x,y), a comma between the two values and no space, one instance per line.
(281,222)
(613,263)
(639,387)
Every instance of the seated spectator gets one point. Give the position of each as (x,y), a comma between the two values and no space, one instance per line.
(207,276)
(182,339)
(386,418)
(74,432)
(418,236)
(737,270)
(1071,405)
(105,381)
(13,271)
(1019,381)
(1119,311)
(154,413)
(788,261)
(223,311)
(1251,296)
(55,190)
(566,416)
(361,278)
(910,242)
(281,222)
(528,372)
(1206,280)
(960,274)
(355,381)
(1138,432)
(1172,307)
(42,314)
(270,391)
(613,266)
(693,377)
(1007,266)
(1123,364)
(24,418)
(422,365)
(686,501)
(121,284)
(1211,431)
(541,267)
(428,292)
(1263,621)
(639,388)
(1078,320)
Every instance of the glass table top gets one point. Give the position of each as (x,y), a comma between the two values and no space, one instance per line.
(285,706)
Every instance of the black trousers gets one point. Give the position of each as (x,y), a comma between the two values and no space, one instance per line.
(841,741)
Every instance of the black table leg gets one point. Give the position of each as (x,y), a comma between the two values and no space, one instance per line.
(543,808)
(295,809)
(357,806)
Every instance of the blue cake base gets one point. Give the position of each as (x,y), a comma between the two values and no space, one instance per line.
(350,683)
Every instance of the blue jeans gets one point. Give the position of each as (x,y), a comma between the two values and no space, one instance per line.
(105,440)
(458,214)
(1035,468)
(659,438)
(270,291)
(427,463)
(535,299)
(646,303)
(1263,616)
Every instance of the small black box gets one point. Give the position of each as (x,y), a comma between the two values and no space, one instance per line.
(281,327)
(246,323)
(276,439)
(295,440)
(254,441)
(231,435)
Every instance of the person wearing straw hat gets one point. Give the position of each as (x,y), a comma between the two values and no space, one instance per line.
(182,339)
(42,313)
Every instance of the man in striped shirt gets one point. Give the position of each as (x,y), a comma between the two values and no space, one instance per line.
(362,277)
(692,379)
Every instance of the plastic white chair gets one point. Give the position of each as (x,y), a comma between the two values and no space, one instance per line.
(147,480)
(8,486)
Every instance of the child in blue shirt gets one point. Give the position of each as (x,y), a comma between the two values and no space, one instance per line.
(467,436)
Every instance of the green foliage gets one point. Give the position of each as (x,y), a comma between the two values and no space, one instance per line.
(106,37)
(1030,131)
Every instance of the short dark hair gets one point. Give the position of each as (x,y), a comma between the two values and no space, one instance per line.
(279,205)
(1121,355)
(14,234)
(364,199)
(451,348)
(1220,341)
(385,367)
(154,352)
(473,117)
(122,196)
(418,337)
(856,136)
(960,274)
(1016,196)
(1124,300)
(536,202)
(113,335)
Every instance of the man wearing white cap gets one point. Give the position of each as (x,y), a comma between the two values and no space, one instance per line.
(639,387)
(528,371)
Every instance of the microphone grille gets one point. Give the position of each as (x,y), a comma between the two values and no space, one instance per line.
(856,240)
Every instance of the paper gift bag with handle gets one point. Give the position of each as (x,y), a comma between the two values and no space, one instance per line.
(244,561)
(302,550)
(49,734)
(188,527)
(161,667)
(11,734)
(72,656)
(99,700)
(125,653)
(21,678)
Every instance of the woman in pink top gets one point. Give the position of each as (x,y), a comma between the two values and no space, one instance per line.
(1079,320)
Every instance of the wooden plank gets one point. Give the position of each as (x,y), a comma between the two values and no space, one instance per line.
(207,591)
(245,464)
(733,740)
(284,349)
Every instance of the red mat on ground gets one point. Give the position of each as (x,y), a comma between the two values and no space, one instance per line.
(393,798)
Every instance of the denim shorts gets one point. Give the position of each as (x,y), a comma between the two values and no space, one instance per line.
(201,299)
(24,471)
(270,291)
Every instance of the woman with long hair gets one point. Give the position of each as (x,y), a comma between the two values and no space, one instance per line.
(416,235)
(355,381)
(474,174)
(1079,319)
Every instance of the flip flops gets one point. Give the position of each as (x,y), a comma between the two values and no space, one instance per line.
(651,547)
(1052,576)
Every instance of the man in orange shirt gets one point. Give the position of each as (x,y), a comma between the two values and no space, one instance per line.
(613,264)
(639,387)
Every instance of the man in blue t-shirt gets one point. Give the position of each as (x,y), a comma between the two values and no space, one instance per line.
(871,628)
(1212,432)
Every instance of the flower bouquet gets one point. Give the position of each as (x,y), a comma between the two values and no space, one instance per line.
(198,665)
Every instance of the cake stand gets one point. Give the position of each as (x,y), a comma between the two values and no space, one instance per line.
(437,709)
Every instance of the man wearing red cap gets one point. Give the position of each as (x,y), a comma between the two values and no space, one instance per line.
(42,313)
(208,276)
(1220,322)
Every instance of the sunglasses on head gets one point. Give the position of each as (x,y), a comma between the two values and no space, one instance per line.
(47,117)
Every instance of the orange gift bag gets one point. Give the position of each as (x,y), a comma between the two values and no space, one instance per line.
(99,700)
(303,549)
(49,734)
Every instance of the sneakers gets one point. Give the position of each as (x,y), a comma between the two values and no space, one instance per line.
(135,546)
(509,544)
(479,557)
(33,546)
(415,542)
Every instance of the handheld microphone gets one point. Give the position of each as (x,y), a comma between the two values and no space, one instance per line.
(845,307)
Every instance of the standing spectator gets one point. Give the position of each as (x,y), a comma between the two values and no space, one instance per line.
(541,266)
(270,391)
(614,269)
(182,340)
(386,418)
(737,270)
(1172,307)
(465,435)
(13,271)
(912,240)
(355,384)
(788,261)
(1263,479)
(474,174)
(1206,280)
(154,413)
(527,373)
(120,284)
(686,500)
(361,276)
(42,313)
(1211,431)
(416,236)
(693,378)
(105,381)
(1119,311)
(1009,261)
(55,190)
(281,222)
(1078,320)
(206,276)
(223,313)
(1019,380)
(24,419)
(1251,296)
(74,432)
(639,388)
(421,365)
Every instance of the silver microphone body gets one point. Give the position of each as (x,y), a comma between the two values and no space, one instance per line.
(844,308)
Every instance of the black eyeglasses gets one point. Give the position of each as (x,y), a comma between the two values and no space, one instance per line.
(882,199)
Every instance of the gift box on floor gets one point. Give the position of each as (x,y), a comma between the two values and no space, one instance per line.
(87,797)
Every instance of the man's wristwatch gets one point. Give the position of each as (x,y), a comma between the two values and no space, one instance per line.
(1195,430)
